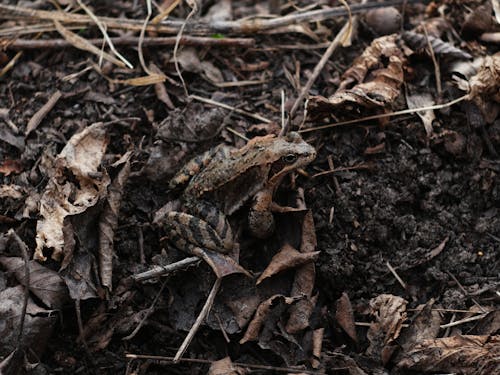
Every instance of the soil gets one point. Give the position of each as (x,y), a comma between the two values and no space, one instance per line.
(427,207)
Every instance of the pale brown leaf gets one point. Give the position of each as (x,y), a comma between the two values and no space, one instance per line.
(286,259)
(225,367)
(467,354)
(344,316)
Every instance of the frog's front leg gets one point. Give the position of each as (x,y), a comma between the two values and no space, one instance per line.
(204,226)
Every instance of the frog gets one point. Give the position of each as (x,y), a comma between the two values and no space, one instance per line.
(222,180)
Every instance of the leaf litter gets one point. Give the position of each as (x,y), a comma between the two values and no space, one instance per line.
(84,179)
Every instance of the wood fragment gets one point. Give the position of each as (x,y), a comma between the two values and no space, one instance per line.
(42,112)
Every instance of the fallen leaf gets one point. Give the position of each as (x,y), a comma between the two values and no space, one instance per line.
(81,157)
(286,259)
(225,367)
(423,100)
(390,313)
(461,354)
(344,316)
(10,166)
(485,87)
(44,283)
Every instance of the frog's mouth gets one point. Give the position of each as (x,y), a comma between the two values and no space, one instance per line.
(281,167)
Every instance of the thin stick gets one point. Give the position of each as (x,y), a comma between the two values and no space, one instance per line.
(24,252)
(384,115)
(395,274)
(158,271)
(21,44)
(339,38)
(201,317)
(222,105)
(437,71)
(248,26)
(42,112)
(462,321)
(342,169)
(208,362)
(194,9)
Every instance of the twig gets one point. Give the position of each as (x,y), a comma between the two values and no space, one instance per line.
(437,71)
(246,26)
(201,317)
(395,274)
(158,271)
(344,33)
(42,112)
(24,252)
(342,169)
(222,105)
(462,321)
(21,44)
(147,314)
(384,115)
(169,360)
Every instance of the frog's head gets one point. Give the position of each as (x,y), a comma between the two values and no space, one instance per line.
(290,152)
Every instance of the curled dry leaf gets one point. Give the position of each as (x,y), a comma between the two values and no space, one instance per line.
(81,157)
(261,315)
(44,283)
(427,117)
(344,316)
(440,48)
(303,283)
(222,265)
(108,222)
(373,81)
(225,366)
(286,259)
(390,313)
(485,87)
(467,354)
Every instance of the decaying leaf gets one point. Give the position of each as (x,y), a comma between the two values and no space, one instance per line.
(222,265)
(38,323)
(485,87)
(108,222)
(440,48)
(390,313)
(286,259)
(225,367)
(305,275)
(81,158)
(373,81)
(9,166)
(467,354)
(44,283)
(344,316)
(243,308)
(427,117)
(425,325)
(261,315)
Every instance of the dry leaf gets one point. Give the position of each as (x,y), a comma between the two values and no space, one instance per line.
(390,313)
(471,355)
(222,265)
(9,166)
(485,87)
(423,100)
(108,222)
(44,283)
(344,316)
(81,157)
(261,315)
(377,76)
(286,259)
(225,367)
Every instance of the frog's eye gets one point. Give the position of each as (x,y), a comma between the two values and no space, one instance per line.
(289,158)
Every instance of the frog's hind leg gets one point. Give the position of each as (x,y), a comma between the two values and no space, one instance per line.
(217,220)
(193,230)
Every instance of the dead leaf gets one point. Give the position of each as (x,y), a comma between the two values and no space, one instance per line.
(243,308)
(485,87)
(286,259)
(82,157)
(225,367)
(317,339)
(11,191)
(344,316)
(390,313)
(377,76)
(221,264)
(462,354)
(44,283)
(264,309)
(423,100)
(38,322)
(108,221)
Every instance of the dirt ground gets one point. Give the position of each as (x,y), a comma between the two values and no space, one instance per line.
(403,213)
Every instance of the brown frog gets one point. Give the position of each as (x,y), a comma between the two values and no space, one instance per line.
(222,180)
